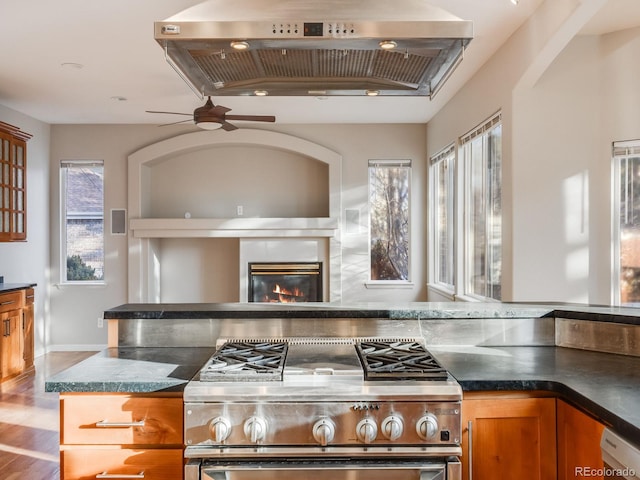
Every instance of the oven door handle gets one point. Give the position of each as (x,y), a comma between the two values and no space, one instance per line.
(424,475)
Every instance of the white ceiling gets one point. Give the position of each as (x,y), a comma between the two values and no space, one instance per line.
(113,41)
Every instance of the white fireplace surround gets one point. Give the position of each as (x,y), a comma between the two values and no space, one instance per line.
(299,239)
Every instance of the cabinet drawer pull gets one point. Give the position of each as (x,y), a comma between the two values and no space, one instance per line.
(120,475)
(8,302)
(107,424)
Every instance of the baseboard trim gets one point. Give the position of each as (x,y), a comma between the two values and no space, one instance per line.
(74,348)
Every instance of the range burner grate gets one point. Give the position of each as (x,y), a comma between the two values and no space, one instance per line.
(246,361)
(398,360)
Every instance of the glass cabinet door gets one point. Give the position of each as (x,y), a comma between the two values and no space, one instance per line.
(13,183)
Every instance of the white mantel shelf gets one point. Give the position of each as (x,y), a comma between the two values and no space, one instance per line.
(232,227)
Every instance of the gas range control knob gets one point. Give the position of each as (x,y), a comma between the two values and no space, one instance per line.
(323,431)
(220,429)
(392,427)
(427,426)
(366,430)
(255,429)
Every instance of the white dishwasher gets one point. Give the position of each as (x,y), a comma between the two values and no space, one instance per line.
(621,458)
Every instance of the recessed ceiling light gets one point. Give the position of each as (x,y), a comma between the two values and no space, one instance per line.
(515,2)
(372,93)
(72,66)
(260,93)
(388,45)
(239,45)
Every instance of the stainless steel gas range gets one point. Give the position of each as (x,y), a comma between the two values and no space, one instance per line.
(331,408)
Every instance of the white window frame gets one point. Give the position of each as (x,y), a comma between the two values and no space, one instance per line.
(446,158)
(64,164)
(400,283)
(465,267)
(621,151)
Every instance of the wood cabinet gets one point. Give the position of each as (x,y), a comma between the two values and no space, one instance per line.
(13,183)
(27,329)
(118,435)
(83,464)
(578,443)
(509,438)
(11,346)
(16,324)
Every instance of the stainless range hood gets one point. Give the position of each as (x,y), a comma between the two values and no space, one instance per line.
(311,47)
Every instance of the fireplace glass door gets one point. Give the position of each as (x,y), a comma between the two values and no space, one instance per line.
(285,282)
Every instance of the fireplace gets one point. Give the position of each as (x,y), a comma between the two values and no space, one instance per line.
(285,282)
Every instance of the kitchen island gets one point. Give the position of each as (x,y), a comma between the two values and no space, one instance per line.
(497,349)
(605,385)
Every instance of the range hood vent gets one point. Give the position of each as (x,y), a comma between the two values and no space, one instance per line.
(306,47)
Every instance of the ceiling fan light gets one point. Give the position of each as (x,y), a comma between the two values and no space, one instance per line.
(388,45)
(209,125)
(239,45)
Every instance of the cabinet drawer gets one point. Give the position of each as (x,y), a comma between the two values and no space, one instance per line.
(87,463)
(10,301)
(120,420)
(30,296)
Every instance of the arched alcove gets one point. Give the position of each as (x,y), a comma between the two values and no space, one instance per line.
(147,233)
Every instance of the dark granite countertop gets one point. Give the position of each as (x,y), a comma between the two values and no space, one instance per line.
(605,385)
(132,370)
(11,287)
(412,310)
(381,310)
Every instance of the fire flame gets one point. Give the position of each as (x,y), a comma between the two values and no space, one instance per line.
(285,295)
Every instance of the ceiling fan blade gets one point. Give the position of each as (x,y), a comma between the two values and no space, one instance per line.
(175,123)
(219,110)
(252,118)
(228,126)
(170,113)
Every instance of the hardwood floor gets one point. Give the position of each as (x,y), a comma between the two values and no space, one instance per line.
(29,421)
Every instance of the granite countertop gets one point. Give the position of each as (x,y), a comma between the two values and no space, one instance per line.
(132,370)
(11,287)
(412,310)
(603,384)
(606,385)
(380,310)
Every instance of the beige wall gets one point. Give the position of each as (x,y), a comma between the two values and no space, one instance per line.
(266,182)
(561,111)
(562,105)
(28,262)
(75,309)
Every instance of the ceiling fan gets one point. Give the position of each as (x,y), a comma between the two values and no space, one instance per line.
(211,117)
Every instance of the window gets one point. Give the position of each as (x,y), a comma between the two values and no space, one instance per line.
(626,167)
(481,154)
(389,190)
(442,220)
(82,200)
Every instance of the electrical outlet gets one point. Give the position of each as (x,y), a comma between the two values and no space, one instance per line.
(100,322)
(239,210)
